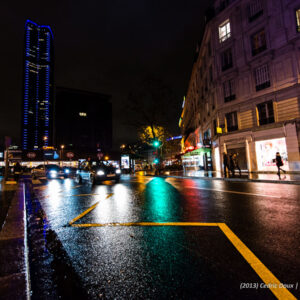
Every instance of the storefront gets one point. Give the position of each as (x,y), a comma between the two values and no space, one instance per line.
(198,159)
(266,153)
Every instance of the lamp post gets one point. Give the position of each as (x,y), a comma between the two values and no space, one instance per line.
(45,138)
(61,153)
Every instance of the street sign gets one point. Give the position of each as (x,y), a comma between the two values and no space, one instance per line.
(219,130)
(70,154)
(31,155)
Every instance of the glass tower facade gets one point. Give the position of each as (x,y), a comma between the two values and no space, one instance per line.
(37,127)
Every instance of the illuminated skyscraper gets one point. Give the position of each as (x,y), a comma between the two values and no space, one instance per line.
(37,126)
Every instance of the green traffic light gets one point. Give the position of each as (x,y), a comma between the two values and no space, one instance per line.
(156,160)
(156,144)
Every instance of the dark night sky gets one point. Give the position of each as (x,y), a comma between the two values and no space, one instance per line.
(102,46)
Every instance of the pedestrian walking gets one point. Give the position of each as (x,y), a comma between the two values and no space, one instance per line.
(279,164)
(236,163)
(231,165)
(225,164)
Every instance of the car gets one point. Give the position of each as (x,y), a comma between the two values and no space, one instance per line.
(50,171)
(96,172)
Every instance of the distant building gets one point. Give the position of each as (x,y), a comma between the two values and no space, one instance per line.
(83,121)
(37,122)
(244,91)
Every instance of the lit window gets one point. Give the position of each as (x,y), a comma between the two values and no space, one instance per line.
(82,114)
(224,31)
(262,77)
(298,19)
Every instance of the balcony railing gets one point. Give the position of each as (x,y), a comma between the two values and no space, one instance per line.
(266,121)
(229,98)
(255,16)
(227,66)
(259,50)
(262,86)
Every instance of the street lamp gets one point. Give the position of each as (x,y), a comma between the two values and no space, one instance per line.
(61,152)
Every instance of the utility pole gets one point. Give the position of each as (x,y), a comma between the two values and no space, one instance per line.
(6,156)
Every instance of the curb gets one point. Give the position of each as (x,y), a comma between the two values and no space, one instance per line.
(296,182)
(14,274)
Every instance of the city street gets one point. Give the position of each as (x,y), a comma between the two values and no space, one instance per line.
(157,238)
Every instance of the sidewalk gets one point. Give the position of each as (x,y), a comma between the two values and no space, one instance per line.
(13,271)
(214,175)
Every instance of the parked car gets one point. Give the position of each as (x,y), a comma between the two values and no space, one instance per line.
(49,171)
(96,172)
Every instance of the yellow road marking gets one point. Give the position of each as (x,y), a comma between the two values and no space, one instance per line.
(81,195)
(87,211)
(262,271)
(145,224)
(75,187)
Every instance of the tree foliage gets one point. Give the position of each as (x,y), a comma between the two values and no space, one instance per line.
(151,109)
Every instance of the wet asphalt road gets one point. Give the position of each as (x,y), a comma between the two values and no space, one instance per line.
(147,262)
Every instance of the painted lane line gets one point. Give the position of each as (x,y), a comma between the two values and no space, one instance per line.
(145,224)
(87,211)
(83,195)
(262,271)
(234,192)
(75,187)
(26,248)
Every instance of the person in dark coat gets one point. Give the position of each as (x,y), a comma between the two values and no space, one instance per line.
(225,163)
(231,164)
(279,163)
(236,163)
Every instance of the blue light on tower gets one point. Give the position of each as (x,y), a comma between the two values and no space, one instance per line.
(38,85)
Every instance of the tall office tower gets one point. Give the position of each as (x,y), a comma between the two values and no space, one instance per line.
(37,126)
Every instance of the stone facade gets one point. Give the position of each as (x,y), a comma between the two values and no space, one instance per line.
(244,93)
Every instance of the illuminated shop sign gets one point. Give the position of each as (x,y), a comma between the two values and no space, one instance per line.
(266,153)
(125,162)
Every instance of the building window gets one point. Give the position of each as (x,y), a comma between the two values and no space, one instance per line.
(224,31)
(265,113)
(262,77)
(229,90)
(231,121)
(226,58)
(258,42)
(298,19)
(255,10)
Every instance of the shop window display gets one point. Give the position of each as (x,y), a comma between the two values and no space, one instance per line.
(266,153)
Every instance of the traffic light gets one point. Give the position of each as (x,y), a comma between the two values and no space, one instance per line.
(156,161)
(156,143)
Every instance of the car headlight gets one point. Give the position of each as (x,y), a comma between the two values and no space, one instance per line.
(118,171)
(100,173)
(53,174)
(67,171)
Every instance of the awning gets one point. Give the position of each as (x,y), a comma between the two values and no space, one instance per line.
(197,152)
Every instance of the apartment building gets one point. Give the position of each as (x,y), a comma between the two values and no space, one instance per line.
(243,95)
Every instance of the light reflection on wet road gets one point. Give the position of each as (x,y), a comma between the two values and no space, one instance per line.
(165,262)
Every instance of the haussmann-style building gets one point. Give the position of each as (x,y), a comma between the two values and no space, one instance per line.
(243,95)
